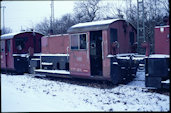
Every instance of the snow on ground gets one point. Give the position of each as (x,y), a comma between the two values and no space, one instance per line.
(25,93)
(139,80)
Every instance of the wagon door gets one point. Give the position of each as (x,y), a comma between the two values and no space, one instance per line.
(79,55)
(8,54)
(114,41)
(96,53)
(3,58)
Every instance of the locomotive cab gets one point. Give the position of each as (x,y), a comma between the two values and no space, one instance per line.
(103,38)
(16,48)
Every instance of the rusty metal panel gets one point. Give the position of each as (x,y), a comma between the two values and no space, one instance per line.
(123,36)
(162,40)
(79,61)
(55,44)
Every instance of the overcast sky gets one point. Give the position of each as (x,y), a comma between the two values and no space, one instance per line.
(26,14)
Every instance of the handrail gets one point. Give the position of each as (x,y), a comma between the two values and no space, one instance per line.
(87,50)
(102,51)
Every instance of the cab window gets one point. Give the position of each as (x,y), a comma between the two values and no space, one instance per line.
(20,43)
(74,41)
(78,41)
(2,46)
(8,46)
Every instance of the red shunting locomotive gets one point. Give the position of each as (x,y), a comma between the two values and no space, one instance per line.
(89,50)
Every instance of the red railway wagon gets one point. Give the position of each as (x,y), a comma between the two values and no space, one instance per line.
(95,50)
(162,40)
(158,64)
(16,49)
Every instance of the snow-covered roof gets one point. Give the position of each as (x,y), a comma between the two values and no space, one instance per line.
(50,36)
(102,22)
(95,25)
(11,35)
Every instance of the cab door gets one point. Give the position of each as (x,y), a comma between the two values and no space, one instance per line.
(79,55)
(8,54)
(3,57)
(96,54)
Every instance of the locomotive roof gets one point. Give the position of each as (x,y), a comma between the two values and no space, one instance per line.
(95,25)
(162,26)
(48,36)
(11,35)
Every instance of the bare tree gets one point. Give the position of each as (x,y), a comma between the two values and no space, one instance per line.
(84,11)
(131,12)
(68,21)
(60,26)
(165,5)
(6,30)
(43,27)
(154,12)
(113,9)
(87,10)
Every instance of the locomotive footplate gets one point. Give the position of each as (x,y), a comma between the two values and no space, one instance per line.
(57,73)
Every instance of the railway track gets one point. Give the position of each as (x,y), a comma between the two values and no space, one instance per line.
(102,84)
(82,82)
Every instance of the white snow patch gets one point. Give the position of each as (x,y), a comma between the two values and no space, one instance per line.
(47,63)
(139,80)
(115,63)
(21,55)
(23,93)
(40,54)
(126,58)
(162,26)
(166,81)
(53,71)
(138,58)
(35,59)
(159,56)
(110,56)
